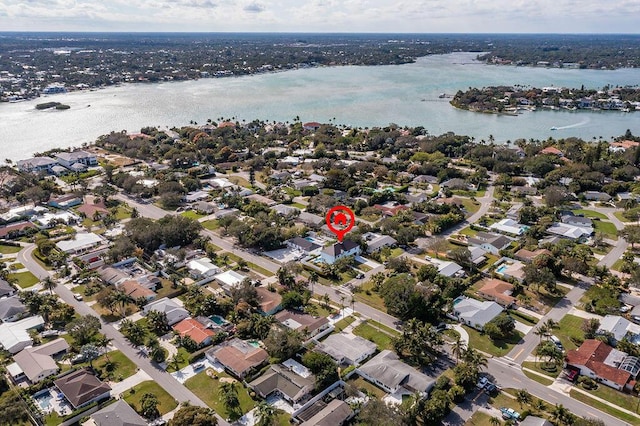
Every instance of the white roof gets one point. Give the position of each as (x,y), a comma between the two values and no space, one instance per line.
(14,335)
(48,217)
(221,182)
(343,345)
(204,265)
(570,231)
(618,326)
(509,226)
(81,240)
(230,278)
(297,368)
(475,311)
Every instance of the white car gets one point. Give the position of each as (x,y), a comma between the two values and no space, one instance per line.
(482,382)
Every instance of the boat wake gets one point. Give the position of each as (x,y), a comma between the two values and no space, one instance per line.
(571,126)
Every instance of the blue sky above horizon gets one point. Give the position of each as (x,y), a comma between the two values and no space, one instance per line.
(401,16)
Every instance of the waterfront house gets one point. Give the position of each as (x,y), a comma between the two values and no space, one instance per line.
(37,165)
(68,159)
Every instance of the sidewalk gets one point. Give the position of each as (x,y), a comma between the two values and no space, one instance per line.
(129,382)
(584,314)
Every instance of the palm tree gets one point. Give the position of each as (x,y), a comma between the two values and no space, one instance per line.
(123,299)
(475,358)
(523,397)
(342,304)
(313,279)
(562,414)
(494,421)
(458,348)
(102,342)
(49,284)
(539,405)
(551,324)
(266,414)
(229,398)
(542,330)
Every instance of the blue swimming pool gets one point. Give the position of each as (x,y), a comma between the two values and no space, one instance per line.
(218,319)
(44,399)
(502,268)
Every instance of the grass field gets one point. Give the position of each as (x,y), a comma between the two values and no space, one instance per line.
(25,279)
(569,326)
(381,339)
(121,366)
(479,419)
(590,214)
(537,366)
(372,299)
(208,389)
(9,249)
(365,386)
(211,225)
(343,323)
(607,228)
(623,400)
(192,214)
(493,347)
(166,401)
(604,407)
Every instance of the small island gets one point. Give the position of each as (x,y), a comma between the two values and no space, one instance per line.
(511,100)
(49,105)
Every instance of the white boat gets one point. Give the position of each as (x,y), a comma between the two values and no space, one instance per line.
(554,128)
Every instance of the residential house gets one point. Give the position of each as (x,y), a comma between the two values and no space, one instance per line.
(68,159)
(37,165)
(284,382)
(457,183)
(509,226)
(262,200)
(347,349)
(11,309)
(577,221)
(310,219)
(134,289)
(15,230)
(490,242)
(552,150)
(311,126)
(304,323)
(238,357)
(81,388)
(303,183)
(112,276)
(94,211)
(202,268)
(335,413)
(14,336)
(390,208)
(497,291)
(447,268)
(225,212)
(570,231)
(49,220)
(596,196)
(22,212)
(475,313)
(510,268)
(619,327)
(426,179)
(229,279)
(270,301)
(65,201)
(386,371)
(529,256)
(280,176)
(339,250)
(284,210)
(534,421)
(189,327)
(6,288)
(175,312)
(478,255)
(302,244)
(82,242)
(597,360)
(203,207)
(118,414)
(376,242)
(36,363)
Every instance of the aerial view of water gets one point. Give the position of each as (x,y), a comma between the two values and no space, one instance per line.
(357,96)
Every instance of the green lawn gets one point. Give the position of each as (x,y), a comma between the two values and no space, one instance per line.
(9,249)
(211,225)
(298,206)
(396,252)
(590,214)
(381,339)
(192,214)
(537,366)
(207,389)
(569,326)
(121,367)
(540,379)
(240,181)
(468,232)
(366,387)
(123,212)
(372,299)
(494,347)
(621,217)
(623,400)
(183,356)
(25,279)
(470,206)
(480,419)
(134,395)
(607,228)
(617,265)
(603,407)
(343,323)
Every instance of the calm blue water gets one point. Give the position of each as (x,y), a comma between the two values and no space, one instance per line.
(218,319)
(359,96)
(501,269)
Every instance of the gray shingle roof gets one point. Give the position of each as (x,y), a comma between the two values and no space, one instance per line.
(118,414)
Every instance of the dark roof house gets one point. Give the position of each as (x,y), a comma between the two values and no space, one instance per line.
(81,387)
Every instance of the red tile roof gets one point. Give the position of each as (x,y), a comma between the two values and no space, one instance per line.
(592,354)
(90,209)
(498,290)
(551,150)
(192,328)
(15,227)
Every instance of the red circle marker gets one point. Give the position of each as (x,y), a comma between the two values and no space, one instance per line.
(344,217)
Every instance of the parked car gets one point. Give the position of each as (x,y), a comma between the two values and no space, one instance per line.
(77,359)
(77,296)
(482,382)
(557,342)
(198,366)
(509,413)
(490,389)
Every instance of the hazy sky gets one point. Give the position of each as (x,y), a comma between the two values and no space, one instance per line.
(423,16)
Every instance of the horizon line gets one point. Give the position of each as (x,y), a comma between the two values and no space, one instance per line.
(314,33)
